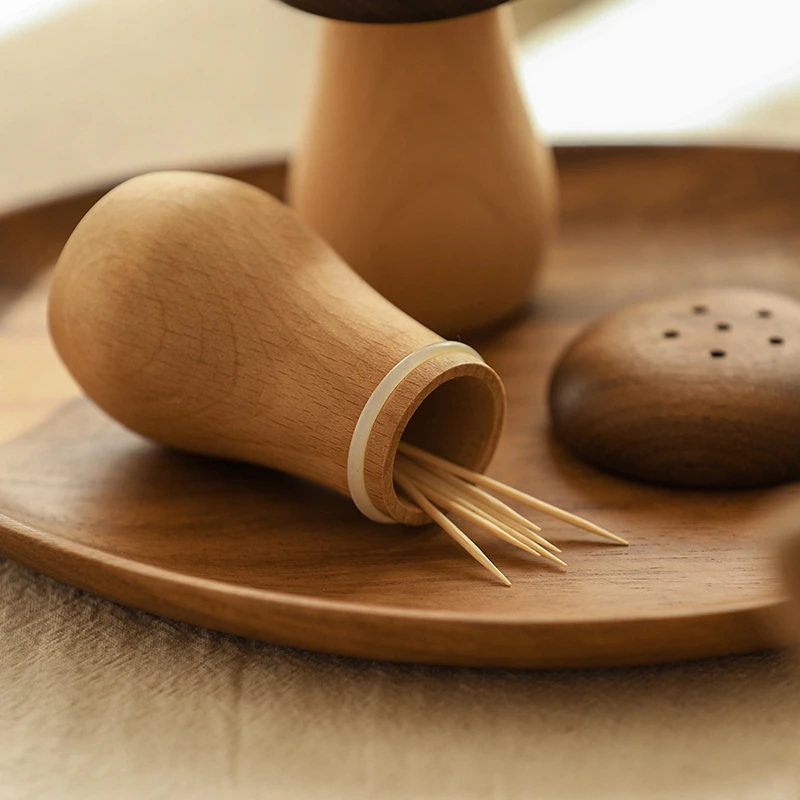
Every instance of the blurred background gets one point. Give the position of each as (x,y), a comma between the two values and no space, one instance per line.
(94,90)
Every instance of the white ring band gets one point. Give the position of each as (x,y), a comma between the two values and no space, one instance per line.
(369,414)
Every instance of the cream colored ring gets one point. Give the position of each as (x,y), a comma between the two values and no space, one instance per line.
(372,409)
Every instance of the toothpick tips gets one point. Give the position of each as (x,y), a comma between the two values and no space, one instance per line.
(437,486)
(448,526)
(477,478)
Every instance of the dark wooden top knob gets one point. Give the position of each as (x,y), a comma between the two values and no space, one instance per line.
(695,389)
(392,11)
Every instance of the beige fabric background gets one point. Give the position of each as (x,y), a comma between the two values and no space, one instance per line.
(101,702)
(98,701)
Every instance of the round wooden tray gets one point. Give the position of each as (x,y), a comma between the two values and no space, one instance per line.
(257,553)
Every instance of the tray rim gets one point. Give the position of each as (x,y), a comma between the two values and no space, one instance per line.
(50,542)
(449,629)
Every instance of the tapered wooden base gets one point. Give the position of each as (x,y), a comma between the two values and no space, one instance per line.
(420,166)
(259,554)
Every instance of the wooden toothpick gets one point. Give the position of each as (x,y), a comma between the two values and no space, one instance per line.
(448,526)
(483,499)
(441,493)
(534,546)
(446,503)
(508,491)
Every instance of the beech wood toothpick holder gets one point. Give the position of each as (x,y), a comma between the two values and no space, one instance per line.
(200,312)
(421,167)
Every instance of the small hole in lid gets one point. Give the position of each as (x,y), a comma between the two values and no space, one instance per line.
(765,313)
(718,354)
(723,326)
(776,340)
(700,309)
(671,334)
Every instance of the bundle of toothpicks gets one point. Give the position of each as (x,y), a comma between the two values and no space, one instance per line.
(440,487)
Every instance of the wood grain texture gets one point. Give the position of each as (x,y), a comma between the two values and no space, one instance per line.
(699,388)
(392,11)
(781,519)
(200,312)
(784,520)
(791,572)
(420,167)
(260,554)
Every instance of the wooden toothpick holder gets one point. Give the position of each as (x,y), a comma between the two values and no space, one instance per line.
(201,313)
(421,167)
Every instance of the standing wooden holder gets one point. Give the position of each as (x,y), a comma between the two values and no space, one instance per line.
(200,312)
(419,165)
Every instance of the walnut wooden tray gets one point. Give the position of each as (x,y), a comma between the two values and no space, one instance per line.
(259,554)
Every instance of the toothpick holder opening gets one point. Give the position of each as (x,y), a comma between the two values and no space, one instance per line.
(201,313)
